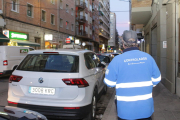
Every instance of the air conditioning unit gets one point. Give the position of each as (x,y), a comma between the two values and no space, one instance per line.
(2,22)
(1,12)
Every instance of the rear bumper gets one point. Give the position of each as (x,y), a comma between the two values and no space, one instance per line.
(57,112)
(5,72)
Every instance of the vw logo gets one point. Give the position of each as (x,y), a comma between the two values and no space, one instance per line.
(40,80)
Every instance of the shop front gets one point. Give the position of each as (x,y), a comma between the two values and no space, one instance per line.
(88,45)
(19,39)
(51,43)
(3,39)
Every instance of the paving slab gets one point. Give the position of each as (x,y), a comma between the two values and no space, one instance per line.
(166,105)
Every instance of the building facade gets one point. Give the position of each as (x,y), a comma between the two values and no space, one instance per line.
(84,23)
(95,24)
(41,24)
(160,28)
(112,41)
(104,24)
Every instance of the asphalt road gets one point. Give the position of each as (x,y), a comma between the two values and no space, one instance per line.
(101,105)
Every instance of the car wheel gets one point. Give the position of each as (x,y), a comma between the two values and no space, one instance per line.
(105,89)
(92,114)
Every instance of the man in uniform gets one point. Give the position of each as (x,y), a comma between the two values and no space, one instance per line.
(134,74)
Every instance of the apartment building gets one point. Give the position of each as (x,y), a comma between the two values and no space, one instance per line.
(95,24)
(84,24)
(160,28)
(104,24)
(39,23)
(112,40)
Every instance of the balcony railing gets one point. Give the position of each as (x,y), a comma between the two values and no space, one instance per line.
(93,37)
(81,18)
(81,33)
(80,4)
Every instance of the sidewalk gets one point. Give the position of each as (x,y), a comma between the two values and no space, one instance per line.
(166,105)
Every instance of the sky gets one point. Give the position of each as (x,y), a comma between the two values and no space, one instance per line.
(122,18)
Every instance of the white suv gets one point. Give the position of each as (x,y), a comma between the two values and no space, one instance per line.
(58,83)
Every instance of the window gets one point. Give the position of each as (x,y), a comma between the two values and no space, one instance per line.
(50,63)
(61,22)
(72,27)
(43,15)
(72,11)
(29,10)
(53,1)
(90,8)
(86,16)
(52,19)
(61,4)
(89,61)
(67,8)
(15,5)
(67,25)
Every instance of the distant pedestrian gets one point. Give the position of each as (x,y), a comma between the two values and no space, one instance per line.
(134,74)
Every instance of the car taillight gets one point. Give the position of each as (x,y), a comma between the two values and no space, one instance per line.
(71,108)
(12,102)
(14,78)
(5,62)
(80,82)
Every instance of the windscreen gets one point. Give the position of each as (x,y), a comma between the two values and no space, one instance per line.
(50,63)
(104,58)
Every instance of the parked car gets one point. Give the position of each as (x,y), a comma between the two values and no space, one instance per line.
(115,54)
(104,58)
(10,57)
(14,113)
(58,83)
(71,47)
(108,54)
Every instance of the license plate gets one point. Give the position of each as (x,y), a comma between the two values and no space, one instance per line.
(41,90)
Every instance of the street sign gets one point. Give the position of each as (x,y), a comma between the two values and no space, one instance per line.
(18,35)
(164,44)
(68,40)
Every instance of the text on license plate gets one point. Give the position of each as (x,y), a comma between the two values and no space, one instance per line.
(41,90)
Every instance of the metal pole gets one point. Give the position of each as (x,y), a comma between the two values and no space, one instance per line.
(175,49)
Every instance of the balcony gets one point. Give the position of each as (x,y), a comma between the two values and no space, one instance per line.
(81,5)
(139,10)
(104,35)
(81,19)
(93,38)
(81,33)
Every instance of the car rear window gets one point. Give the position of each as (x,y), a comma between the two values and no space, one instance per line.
(50,63)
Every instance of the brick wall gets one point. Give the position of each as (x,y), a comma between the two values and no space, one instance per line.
(66,16)
(1,2)
(141,3)
(96,20)
(38,5)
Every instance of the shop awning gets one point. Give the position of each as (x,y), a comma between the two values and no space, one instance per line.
(26,43)
(3,38)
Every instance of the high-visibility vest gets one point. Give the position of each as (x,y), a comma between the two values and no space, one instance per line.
(134,74)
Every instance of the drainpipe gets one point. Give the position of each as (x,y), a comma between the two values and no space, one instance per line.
(175,49)
(2,5)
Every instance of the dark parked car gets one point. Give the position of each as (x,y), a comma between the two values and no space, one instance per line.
(14,113)
(104,58)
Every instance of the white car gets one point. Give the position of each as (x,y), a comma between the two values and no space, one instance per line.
(58,83)
(10,57)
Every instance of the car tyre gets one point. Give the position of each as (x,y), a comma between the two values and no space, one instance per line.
(92,114)
(105,89)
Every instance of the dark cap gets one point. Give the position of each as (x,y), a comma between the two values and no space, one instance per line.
(130,36)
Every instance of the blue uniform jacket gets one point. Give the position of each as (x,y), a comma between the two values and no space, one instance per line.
(134,74)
